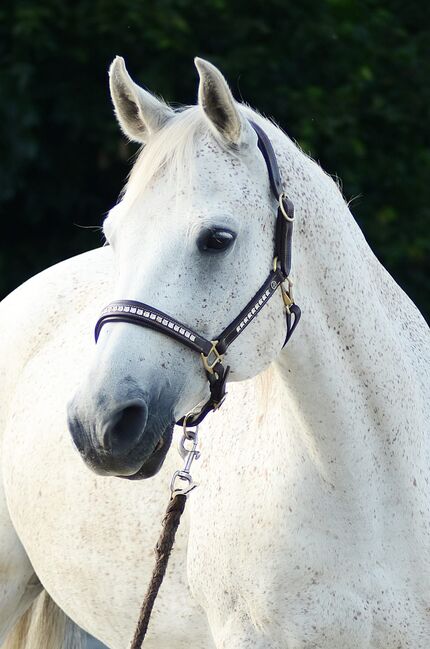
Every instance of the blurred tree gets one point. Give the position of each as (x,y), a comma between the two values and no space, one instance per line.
(348,80)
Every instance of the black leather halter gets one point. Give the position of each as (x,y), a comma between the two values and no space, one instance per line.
(212,351)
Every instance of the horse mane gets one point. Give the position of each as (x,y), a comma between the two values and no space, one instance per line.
(44,626)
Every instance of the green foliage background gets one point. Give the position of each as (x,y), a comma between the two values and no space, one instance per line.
(349,80)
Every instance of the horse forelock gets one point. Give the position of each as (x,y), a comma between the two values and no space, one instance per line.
(173,151)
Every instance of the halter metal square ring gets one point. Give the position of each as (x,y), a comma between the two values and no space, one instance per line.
(209,363)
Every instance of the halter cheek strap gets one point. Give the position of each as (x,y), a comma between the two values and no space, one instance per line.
(212,351)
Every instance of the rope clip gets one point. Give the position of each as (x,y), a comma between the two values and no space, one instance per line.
(187,448)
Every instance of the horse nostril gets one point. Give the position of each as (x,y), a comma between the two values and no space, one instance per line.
(125,428)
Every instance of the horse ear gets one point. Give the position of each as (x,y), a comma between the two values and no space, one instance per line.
(218,103)
(138,112)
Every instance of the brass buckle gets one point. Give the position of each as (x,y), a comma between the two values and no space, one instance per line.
(283,210)
(209,363)
(287,294)
(219,404)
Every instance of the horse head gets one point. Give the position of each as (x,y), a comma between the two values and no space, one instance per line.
(193,235)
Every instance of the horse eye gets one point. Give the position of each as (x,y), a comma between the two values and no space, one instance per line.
(215,239)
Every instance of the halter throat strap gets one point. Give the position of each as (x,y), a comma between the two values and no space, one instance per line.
(212,351)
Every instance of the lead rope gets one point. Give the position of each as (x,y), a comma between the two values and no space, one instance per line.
(171,521)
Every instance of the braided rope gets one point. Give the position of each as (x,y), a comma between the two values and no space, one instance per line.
(163,549)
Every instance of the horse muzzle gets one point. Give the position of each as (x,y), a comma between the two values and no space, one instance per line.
(129,440)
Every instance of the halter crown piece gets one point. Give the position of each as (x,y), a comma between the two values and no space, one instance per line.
(212,351)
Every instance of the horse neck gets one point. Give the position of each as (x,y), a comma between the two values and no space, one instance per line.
(345,368)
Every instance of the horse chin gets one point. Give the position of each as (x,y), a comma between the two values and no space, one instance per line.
(153,464)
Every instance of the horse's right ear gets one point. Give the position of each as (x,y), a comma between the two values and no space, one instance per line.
(138,112)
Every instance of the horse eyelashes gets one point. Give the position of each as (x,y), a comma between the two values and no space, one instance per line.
(215,240)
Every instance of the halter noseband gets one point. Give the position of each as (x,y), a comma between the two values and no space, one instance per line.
(212,351)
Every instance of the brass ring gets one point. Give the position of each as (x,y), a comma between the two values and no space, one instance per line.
(281,205)
(187,432)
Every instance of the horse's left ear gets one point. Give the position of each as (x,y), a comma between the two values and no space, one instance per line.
(218,103)
(139,113)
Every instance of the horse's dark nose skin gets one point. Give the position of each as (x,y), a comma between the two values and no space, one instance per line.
(125,427)
(126,441)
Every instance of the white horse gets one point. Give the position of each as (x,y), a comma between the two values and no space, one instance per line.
(310,527)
